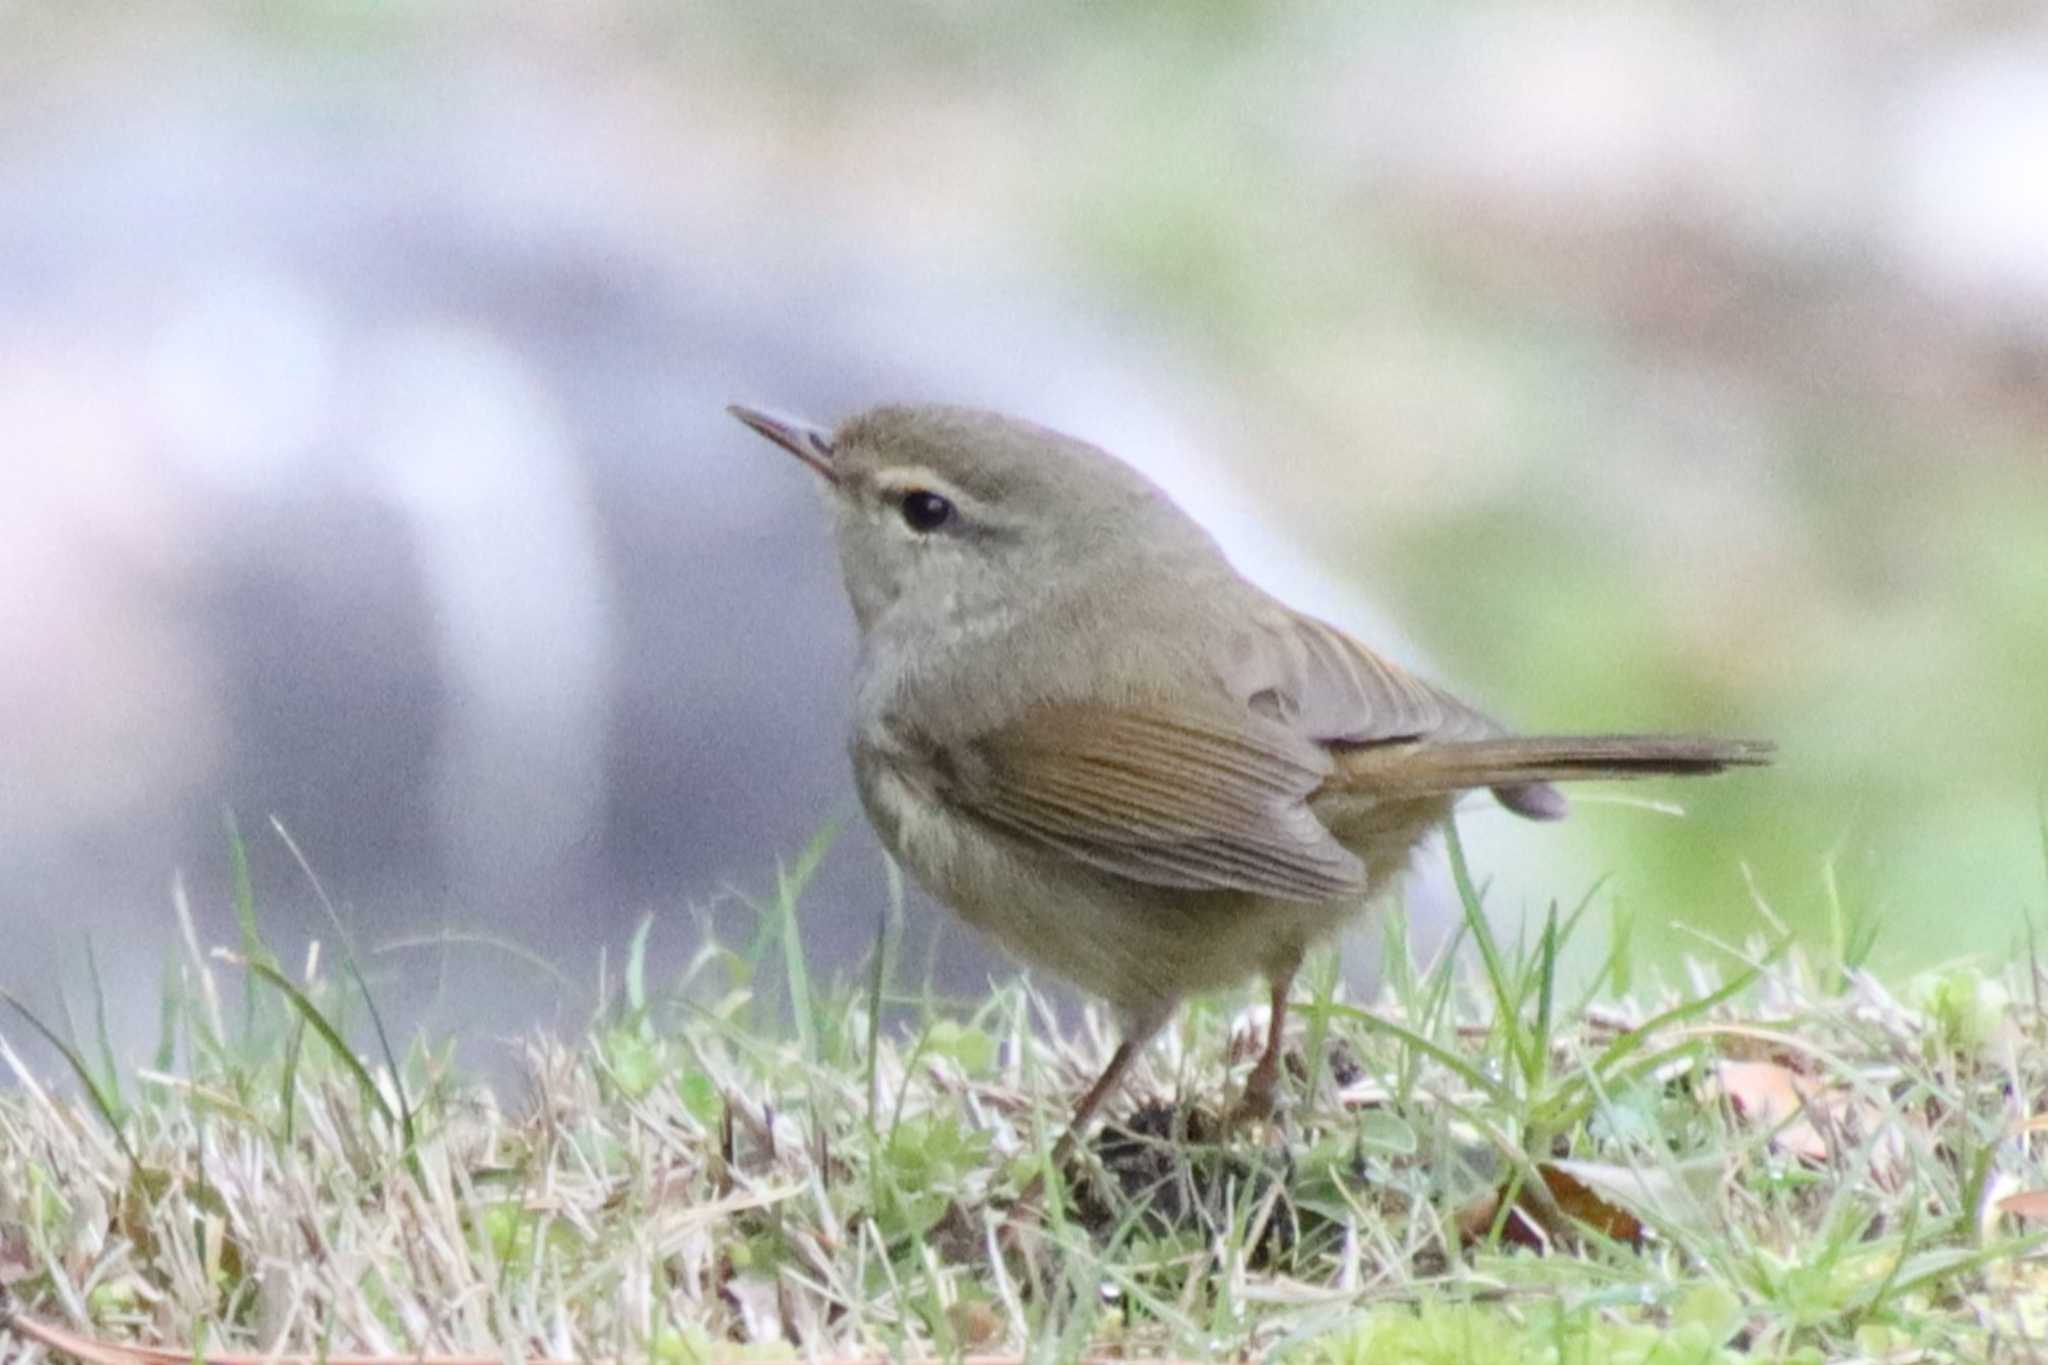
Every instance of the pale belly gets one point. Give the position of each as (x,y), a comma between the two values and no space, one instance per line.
(1140,948)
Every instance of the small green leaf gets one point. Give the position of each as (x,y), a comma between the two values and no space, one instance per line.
(1713,1308)
(699,1094)
(636,1060)
(972,1049)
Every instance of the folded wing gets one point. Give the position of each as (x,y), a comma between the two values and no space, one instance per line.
(1201,798)
(1312,676)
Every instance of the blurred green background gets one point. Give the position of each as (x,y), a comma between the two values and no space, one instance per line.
(1634,355)
(1652,365)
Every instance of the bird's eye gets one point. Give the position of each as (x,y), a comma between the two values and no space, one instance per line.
(924,510)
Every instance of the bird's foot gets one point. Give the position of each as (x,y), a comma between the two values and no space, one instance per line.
(1020,1237)
(1256,1106)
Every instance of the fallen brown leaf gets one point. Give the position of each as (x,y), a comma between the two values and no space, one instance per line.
(2030,1204)
(1773,1096)
(1575,1191)
(1811,1119)
(1579,1199)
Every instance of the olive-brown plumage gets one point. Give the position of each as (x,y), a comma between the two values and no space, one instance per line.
(1079,727)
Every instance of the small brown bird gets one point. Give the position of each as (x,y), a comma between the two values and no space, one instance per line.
(1079,727)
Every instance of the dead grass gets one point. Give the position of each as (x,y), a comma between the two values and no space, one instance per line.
(1786,1160)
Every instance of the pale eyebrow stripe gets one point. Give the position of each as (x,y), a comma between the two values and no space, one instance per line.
(904,477)
(975,520)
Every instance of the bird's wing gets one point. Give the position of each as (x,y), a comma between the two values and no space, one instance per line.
(1327,686)
(1207,798)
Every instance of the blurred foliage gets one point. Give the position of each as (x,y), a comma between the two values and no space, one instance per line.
(1479,403)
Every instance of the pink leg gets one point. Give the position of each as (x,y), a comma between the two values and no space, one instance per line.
(1105,1085)
(1257,1104)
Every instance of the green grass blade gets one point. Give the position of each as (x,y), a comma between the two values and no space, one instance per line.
(318,1022)
(288,1083)
(1625,1044)
(349,961)
(876,983)
(636,967)
(1546,994)
(790,884)
(102,1103)
(1451,1061)
(1507,1000)
(103,1038)
(254,949)
(455,938)
(170,1011)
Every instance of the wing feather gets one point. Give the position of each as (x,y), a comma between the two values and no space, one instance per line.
(1344,695)
(1163,796)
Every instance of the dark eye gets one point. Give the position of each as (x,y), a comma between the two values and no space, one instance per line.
(924,510)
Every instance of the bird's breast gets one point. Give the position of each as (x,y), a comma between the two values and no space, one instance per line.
(914,825)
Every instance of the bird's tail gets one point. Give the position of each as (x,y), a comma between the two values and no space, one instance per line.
(1520,769)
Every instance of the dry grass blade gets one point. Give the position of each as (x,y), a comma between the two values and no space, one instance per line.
(691,1183)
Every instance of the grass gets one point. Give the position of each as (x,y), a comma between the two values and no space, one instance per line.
(1784,1160)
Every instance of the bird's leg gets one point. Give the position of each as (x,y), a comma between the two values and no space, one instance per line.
(1257,1104)
(1105,1085)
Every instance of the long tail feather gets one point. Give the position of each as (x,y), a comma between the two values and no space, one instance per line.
(1519,769)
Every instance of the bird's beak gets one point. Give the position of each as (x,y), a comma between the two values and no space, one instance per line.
(801,439)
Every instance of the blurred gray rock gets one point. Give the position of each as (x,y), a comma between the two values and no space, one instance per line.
(369,477)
